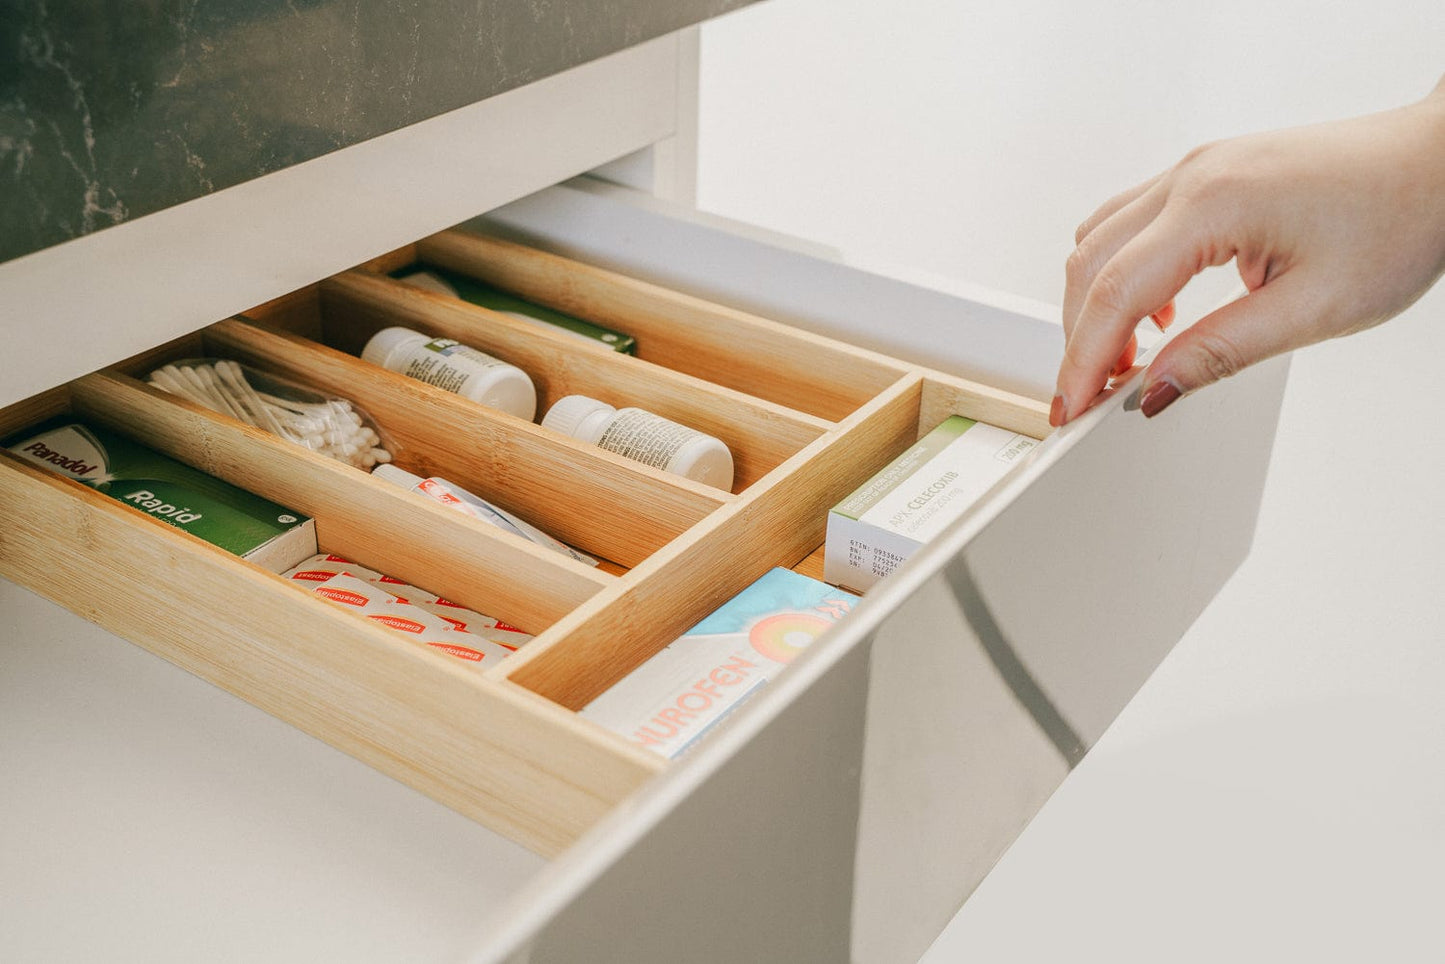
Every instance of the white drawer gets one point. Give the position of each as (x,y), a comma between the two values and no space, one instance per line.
(846,810)
(983,670)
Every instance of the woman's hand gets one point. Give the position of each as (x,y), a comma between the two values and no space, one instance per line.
(1334,228)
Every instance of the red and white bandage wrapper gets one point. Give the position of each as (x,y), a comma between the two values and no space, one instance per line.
(373,602)
(507,636)
(322,566)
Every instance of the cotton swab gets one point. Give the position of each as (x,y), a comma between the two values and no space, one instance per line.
(329,426)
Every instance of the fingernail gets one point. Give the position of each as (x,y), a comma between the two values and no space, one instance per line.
(1126,360)
(1057,411)
(1164,317)
(1157,397)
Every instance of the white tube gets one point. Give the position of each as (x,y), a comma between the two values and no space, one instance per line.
(459,499)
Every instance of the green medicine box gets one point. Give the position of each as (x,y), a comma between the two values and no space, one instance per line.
(244,524)
(485,296)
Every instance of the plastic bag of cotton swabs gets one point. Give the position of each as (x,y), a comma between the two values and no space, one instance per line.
(330,426)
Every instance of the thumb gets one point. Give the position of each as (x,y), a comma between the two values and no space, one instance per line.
(1272,319)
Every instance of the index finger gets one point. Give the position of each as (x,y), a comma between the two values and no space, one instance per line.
(1148,271)
(1110,207)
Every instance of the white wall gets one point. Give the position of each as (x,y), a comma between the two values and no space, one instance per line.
(971,138)
(1277,792)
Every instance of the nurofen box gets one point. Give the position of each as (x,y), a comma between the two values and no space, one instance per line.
(247,525)
(914,498)
(675,697)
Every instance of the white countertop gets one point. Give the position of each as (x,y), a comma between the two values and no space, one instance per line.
(153,817)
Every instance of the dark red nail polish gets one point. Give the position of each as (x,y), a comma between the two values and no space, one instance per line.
(1157,397)
(1057,411)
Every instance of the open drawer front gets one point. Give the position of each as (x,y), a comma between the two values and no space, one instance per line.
(958,693)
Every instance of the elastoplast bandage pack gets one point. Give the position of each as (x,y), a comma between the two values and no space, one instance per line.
(406,609)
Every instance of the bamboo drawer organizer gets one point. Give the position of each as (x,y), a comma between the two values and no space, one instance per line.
(807,418)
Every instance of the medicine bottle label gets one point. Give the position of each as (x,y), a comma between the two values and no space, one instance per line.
(646,438)
(431,363)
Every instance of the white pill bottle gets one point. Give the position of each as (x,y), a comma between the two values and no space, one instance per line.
(454,367)
(640,435)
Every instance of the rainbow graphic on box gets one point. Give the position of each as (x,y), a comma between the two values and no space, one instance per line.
(675,697)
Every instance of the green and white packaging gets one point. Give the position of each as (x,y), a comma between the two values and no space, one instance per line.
(914,498)
(244,524)
(485,296)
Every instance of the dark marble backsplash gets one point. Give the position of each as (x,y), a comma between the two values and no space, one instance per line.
(112,109)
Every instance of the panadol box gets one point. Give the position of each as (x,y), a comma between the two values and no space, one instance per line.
(238,521)
(914,498)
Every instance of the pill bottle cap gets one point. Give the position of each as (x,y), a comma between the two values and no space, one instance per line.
(385,343)
(569,412)
(390,473)
(505,387)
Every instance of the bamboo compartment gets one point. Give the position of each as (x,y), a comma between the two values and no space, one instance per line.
(807,418)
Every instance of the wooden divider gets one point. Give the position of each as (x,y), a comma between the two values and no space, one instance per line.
(945,395)
(778,524)
(725,346)
(364,519)
(598,502)
(393,260)
(812,565)
(298,312)
(36,408)
(760,434)
(511,761)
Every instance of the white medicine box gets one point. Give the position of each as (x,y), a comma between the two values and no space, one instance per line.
(915,497)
